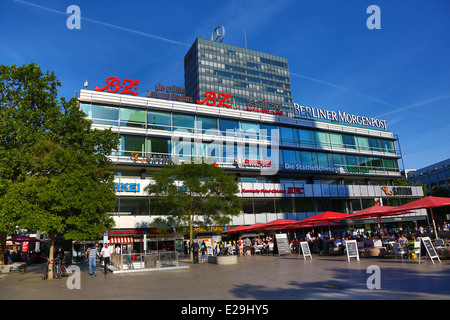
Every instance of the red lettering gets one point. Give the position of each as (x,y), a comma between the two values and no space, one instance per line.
(113,85)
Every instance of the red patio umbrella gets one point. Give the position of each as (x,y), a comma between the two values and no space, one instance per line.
(324,217)
(253,227)
(373,212)
(23,239)
(425,203)
(236,229)
(279,224)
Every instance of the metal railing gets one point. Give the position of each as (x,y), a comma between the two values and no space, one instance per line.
(151,260)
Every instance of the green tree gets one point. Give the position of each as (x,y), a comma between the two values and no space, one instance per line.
(193,194)
(53,166)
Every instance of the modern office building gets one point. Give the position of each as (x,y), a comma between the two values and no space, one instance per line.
(436,175)
(249,77)
(290,163)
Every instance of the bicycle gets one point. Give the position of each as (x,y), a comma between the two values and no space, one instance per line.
(60,269)
(47,269)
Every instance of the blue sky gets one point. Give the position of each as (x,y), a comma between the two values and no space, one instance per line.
(399,73)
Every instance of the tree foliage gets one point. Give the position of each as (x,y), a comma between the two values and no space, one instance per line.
(53,166)
(193,194)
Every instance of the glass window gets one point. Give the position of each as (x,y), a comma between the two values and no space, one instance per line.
(338,160)
(132,144)
(391,164)
(377,163)
(266,132)
(159,120)
(336,140)
(339,205)
(387,146)
(211,150)
(250,130)
(322,138)
(284,205)
(251,152)
(348,141)
(324,160)
(289,156)
(231,125)
(204,124)
(105,115)
(158,145)
(363,143)
(183,149)
(132,117)
(287,134)
(305,136)
(303,205)
(322,204)
(133,206)
(183,121)
(247,205)
(364,161)
(374,144)
(264,205)
(231,151)
(352,160)
(308,158)
(86,108)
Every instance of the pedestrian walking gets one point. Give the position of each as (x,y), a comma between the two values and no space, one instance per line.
(203,250)
(106,255)
(195,248)
(92,254)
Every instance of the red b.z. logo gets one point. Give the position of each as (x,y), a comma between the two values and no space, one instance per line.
(211,99)
(113,85)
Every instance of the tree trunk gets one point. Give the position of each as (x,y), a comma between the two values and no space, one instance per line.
(51,255)
(191,234)
(3,236)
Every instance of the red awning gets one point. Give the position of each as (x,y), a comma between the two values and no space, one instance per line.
(121,240)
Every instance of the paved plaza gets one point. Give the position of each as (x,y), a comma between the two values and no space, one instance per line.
(259,277)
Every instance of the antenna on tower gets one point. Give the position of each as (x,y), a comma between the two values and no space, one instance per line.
(245,38)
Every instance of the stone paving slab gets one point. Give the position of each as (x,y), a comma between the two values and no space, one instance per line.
(259,277)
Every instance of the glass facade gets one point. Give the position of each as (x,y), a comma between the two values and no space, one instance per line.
(245,74)
(434,176)
(331,156)
(306,147)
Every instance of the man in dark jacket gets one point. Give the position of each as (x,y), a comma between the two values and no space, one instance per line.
(195,248)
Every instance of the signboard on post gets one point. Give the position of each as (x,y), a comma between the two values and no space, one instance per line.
(429,249)
(282,243)
(305,249)
(352,249)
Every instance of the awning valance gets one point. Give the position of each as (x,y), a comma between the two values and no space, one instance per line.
(121,240)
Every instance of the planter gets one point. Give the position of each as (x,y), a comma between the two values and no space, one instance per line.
(223,260)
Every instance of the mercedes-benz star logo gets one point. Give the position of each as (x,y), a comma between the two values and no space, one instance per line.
(217,34)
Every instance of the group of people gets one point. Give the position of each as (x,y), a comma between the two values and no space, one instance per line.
(105,254)
(241,247)
(247,246)
(197,247)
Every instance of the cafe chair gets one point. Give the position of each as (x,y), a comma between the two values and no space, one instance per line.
(378,244)
(361,249)
(398,250)
(416,249)
(439,244)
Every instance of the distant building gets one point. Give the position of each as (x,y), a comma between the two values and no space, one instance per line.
(435,175)
(252,78)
